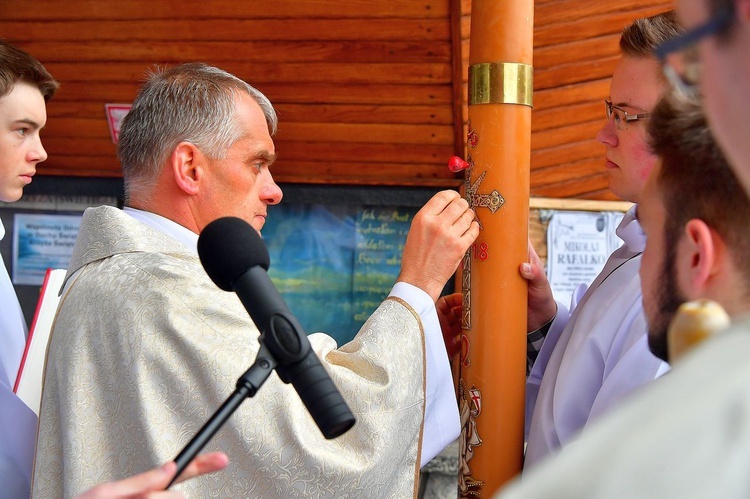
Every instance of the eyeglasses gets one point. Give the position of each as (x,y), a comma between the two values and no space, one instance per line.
(679,55)
(622,117)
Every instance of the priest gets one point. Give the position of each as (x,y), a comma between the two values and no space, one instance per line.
(145,347)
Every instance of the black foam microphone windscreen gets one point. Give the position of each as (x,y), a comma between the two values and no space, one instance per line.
(228,247)
(236,259)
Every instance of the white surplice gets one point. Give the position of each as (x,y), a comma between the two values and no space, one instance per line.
(593,358)
(686,435)
(17,421)
(13,330)
(145,348)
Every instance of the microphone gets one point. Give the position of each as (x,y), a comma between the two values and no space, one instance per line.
(236,259)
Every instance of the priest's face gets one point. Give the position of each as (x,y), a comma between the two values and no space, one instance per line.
(635,88)
(22,115)
(240,184)
(659,280)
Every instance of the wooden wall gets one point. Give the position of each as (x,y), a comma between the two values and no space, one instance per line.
(363,88)
(369,92)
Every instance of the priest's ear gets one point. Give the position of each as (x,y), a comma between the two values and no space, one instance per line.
(701,256)
(187,164)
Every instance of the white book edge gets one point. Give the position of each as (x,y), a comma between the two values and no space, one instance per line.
(31,372)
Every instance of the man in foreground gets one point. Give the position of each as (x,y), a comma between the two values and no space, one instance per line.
(686,435)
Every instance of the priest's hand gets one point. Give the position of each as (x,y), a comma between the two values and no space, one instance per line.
(151,484)
(449,313)
(439,236)
(542,306)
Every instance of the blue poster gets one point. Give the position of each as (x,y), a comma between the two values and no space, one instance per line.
(334,264)
(41,242)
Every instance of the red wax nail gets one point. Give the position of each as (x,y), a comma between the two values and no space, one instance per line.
(456,164)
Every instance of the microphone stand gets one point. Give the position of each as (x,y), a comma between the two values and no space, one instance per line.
(247,386)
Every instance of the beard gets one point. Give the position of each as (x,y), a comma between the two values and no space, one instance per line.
(668,301)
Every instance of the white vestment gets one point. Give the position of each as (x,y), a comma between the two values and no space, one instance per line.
(591,359)
(12,327)
(686,435)
(17,421)
(145,348)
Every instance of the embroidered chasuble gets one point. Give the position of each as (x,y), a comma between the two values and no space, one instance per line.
(146,348)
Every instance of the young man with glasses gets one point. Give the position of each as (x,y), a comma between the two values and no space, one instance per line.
(593,357)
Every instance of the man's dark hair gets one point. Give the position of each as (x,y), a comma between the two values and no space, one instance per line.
(18,66)
(695,180)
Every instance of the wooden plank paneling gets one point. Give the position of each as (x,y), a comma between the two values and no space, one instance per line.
(298,112)
(367,91)
(340,52)
(364,90)
(547,13)
(268,73)
(558,116)
(229,29)
(566,134)
(369,133)
(591,27)
(581,187)
(279,93)
(542,177)
(55,10)
(589,49)
(566,153)
(293,171)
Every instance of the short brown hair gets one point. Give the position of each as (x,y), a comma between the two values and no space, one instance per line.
(18,66)
(695,180)
(643,35)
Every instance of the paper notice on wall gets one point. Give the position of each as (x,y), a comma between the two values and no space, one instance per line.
(115,115)
(41,242)
(578,245)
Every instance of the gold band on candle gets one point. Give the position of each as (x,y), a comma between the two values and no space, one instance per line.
(501,83)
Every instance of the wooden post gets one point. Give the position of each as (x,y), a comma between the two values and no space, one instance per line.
(493,357)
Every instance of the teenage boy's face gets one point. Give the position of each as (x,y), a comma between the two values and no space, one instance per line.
(22,115)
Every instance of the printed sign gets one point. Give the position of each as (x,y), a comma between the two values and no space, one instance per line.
(41,242)
(115,114)
(578,245)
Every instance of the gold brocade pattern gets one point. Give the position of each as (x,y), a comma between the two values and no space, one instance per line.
(146,348)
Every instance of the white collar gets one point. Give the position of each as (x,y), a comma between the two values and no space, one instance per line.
(630,231)
(166,226)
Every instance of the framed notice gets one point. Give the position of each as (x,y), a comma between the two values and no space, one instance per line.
(115,114)
(578,245)
(335,264)
(41,242)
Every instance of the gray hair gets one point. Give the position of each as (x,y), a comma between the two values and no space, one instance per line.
(190,102)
